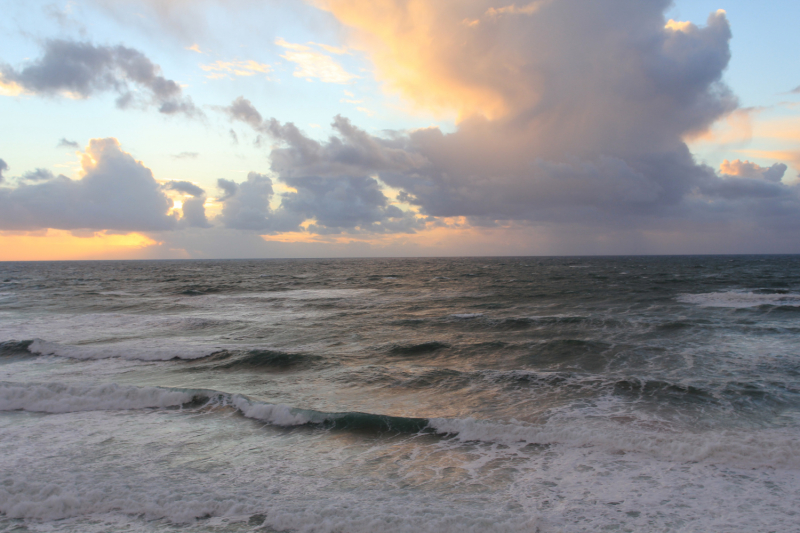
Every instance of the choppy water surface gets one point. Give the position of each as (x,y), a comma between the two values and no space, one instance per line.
(469,395)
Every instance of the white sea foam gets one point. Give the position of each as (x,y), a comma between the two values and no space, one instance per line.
(138,330)
(768,447)
(60,398)
(63,398)
(80,471)
(86,466)
(741,299)
(281,415)
(299,294)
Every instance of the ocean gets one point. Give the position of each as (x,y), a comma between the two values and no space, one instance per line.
(641,394)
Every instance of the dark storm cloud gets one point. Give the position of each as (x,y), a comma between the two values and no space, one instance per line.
(83,69)
(64,143)
(116,193)
(589,103)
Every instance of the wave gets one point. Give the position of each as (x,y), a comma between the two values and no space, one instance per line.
(226,359)
(63,398)
(260,358)
(15,348)
(744,299)
(771,447)
(125,350)
(421,348)
(657,393)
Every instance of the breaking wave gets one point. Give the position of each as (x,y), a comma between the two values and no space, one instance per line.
(770,447)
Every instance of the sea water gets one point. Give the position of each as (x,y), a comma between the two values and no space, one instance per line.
(401,395)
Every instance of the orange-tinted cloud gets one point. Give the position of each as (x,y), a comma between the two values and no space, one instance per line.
(424,51)
(311,64)
(224,69)
(748,169)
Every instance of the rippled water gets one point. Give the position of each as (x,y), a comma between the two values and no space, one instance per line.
(506,394)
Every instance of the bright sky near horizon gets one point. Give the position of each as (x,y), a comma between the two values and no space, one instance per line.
(278,128)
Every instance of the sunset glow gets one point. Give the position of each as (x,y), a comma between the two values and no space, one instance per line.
(356,128)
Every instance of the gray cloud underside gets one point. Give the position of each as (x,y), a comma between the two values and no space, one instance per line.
(601,145)
(3,168)
(116,193)
(346,204)
(40,174)
(84,69)
(194,212)
(64,143)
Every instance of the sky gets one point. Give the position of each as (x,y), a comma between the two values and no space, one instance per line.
(160,129)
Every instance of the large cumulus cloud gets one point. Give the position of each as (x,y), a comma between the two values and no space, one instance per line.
(116,192)
(570,111)
(333,183)
(82,69)
(350,204)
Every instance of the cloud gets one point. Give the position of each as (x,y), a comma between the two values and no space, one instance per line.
(311,64)
(193,209)
(64,143)
(116,192)
(3,168)
(528,9)
(338,50)
(796,90)
(351,204)
(574,113)
(229,188)
(185,187)
(63,17)
(81,69)
(512,63)
(246,205)
(224,69)
(746,169)
(186,155)
(40,174)
(242,109)
(332,184)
